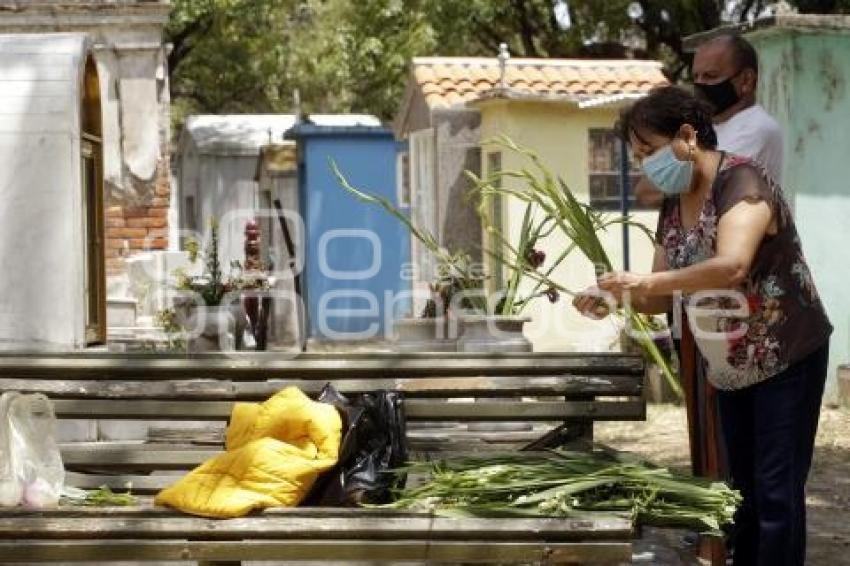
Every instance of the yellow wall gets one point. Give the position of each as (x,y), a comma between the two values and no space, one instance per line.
(559,134)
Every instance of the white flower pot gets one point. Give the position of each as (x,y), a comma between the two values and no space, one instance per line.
(211,329)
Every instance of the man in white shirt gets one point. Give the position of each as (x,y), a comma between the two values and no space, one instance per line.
(725,71)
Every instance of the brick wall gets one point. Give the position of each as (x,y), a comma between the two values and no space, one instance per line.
(133,229)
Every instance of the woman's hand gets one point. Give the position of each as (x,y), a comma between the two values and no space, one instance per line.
(592,303)
(619,283)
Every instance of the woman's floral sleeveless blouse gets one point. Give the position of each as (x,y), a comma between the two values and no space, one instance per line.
(783,320)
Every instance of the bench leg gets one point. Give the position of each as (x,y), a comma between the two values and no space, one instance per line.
(712,550)
(581,434)
(574,434)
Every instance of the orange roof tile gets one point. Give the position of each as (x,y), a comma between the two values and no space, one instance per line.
(454,81)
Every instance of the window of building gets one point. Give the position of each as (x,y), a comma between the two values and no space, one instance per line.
(604,168)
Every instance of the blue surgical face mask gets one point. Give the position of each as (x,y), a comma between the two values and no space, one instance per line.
(670,175)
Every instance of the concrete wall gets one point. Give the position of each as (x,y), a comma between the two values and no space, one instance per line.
(131,64)
(805,84)
(228,195)
(559,134)
(42,247)
(224,189)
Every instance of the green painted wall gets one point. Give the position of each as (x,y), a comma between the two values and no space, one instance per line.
(805,84)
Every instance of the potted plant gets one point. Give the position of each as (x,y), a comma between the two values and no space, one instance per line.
(458,286)
(459,307)
(211,308)
(524,265)
(580,224)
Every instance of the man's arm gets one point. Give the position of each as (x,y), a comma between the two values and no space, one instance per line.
(772,151)
(647,195)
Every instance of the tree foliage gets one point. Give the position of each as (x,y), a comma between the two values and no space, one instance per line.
(225,54)
(353,55)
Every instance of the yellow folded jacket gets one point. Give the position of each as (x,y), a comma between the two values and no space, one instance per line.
(275,450)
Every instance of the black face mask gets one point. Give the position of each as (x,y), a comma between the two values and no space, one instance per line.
(721,96)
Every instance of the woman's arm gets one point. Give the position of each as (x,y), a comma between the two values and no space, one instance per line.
(655,304)
(592,303)
(739,235)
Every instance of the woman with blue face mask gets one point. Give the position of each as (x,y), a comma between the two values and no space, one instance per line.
(728,249)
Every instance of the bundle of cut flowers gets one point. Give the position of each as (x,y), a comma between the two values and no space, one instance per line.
(580,223)
(567,484)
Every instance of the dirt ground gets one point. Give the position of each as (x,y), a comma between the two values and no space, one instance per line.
(662,439)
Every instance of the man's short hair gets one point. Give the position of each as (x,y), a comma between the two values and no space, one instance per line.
(743,52)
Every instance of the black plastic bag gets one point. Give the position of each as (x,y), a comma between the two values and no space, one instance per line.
(374,443)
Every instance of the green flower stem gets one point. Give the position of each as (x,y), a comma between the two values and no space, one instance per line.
(645,340)
(558,483)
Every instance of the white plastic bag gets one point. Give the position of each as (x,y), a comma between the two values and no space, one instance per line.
(37,474)
(11,487)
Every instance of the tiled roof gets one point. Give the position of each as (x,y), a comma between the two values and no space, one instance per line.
(451,81)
